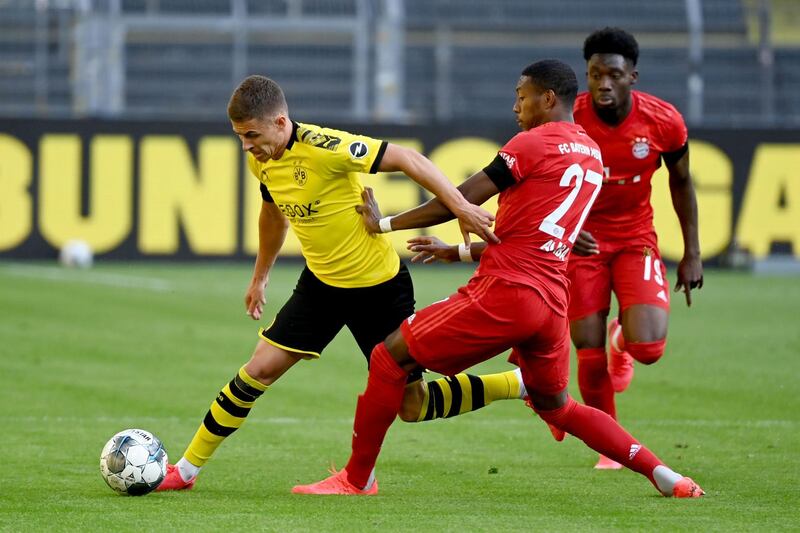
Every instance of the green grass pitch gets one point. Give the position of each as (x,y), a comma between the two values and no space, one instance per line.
(84,354)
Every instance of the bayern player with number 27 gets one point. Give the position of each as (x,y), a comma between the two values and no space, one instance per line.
(548,177)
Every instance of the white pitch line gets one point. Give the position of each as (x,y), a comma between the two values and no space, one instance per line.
(87,277)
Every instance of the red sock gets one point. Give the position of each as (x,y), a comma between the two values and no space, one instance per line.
(594,381)
(375,411)
(647,352)
(604,435)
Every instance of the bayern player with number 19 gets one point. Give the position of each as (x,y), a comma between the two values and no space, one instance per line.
(617,248)
(549,175)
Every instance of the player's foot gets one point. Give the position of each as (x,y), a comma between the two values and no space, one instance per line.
(605,463)
(687,488)
(336,484)
(558,434)
(620,362)
(174,481)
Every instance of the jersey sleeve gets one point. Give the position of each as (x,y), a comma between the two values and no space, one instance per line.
(252,164)
(265,195)
(499,173)
(517,156)
(673,131)
(670,158)
(352,153)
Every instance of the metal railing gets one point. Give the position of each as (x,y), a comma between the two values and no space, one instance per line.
(722,62)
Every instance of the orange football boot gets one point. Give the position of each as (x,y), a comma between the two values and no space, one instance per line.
(687,488)
(174,481)
(620,362)
(337,484)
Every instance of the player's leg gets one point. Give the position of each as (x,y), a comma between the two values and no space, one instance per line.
(545,369)
(475,316)
(379,310)
(302,329)
(643,332)
(376,409)
(229,411)
(642,289)
(590,298)
(604,435)
(451,396)
(588,335)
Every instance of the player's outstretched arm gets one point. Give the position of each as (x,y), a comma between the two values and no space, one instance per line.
(472,218)
(430,249)
(272,227)
(684,201)
(477,189)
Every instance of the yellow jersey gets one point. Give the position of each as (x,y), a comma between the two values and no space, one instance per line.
(315,184)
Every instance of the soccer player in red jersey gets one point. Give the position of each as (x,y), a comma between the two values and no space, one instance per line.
(549,175)
(617,249)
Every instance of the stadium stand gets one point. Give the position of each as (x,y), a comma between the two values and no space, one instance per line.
(460,57)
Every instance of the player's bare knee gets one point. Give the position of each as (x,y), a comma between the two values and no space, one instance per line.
(412,402)
(396,346)
(258,371)
(645,323)
(586,344)
(545,403)
(589,331)
(268,363)
(409,412)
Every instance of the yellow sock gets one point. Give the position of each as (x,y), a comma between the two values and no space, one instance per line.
(456,395)
(226,415)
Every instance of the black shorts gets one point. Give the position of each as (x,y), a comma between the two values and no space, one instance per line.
(316,312)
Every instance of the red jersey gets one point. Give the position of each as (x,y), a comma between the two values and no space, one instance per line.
(554,173)
(632,153)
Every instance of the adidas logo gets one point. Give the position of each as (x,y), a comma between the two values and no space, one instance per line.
(634,450)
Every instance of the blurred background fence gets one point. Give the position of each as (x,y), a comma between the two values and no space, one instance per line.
(721,62)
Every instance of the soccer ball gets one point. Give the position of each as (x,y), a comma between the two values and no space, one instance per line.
(133,462)
(76,253)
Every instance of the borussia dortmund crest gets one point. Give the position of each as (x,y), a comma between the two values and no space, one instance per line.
(300,175)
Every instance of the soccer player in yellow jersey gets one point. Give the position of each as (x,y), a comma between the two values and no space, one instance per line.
(309,181)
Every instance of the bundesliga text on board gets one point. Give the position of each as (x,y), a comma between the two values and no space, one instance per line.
(160,195)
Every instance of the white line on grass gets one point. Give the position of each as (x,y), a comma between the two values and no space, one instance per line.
(88,277)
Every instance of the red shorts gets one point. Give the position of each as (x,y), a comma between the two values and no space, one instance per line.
(633,269)
(485,318)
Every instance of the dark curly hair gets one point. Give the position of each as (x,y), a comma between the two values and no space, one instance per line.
(611,41)
(555,75)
